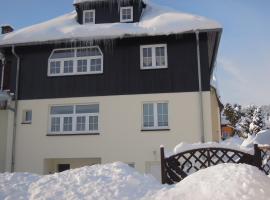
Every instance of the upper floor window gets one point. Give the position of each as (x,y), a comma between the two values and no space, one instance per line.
(89,16)
(74,119)
(27,117)
(126,14)
(75,61)
(154,56)
(155,115)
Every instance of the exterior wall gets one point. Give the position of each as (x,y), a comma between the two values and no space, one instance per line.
(109,11)
(120,139)
(3,138)
(215,111)
(122,74)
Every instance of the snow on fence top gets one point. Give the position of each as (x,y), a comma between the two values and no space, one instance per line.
(156,20)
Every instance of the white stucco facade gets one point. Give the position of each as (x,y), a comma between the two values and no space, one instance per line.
(120,136)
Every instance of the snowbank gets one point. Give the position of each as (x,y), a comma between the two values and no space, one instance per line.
(182,147)
(156,20)
(261,138)
(221,182)
(112,181)
(120,182)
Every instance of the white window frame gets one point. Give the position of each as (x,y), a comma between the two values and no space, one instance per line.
(75,62)
(121,14)
(74,121)
(24,121)
(154,64)
(155,127)
(94,16)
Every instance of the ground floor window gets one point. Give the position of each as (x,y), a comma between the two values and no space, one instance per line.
(74,119)
(155,115)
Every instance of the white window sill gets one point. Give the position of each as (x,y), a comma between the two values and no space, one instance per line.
(149,68)
(72,134)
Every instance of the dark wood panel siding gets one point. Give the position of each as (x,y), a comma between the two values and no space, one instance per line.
(107,12)
(122,74)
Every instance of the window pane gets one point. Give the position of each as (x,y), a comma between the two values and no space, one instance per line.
(55,67)
(59,110)
(87,109)
(147,57)
(28,116)
(160,56)
(162,114)
(93,123)
(82,66)
(86,52)
(55,124)
(148,115)
(67,124)
(63,54)
(95,65)
(68,66)
(81,123)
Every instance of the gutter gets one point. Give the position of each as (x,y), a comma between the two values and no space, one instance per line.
(15,110)
(2,59)
(197,33)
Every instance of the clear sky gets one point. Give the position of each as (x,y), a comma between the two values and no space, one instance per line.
(243,65)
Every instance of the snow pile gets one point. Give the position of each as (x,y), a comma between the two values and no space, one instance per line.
(156,20)
(182,147)
(234,141)
(261,138)
(120,182)
(112,181)
(221,182)
(15,186)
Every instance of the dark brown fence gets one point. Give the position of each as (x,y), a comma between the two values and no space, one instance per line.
(176,167)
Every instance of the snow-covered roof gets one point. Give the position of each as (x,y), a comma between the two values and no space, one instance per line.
(156,20)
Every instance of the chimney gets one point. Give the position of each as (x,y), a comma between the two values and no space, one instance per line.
(6,29)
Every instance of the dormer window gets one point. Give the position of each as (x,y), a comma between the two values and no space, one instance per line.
(89,16)
(126,14)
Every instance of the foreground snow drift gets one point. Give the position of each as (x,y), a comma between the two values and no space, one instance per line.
(119,181)
(112,181)
(221,182)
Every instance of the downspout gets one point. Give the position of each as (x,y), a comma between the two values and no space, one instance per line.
(15,110)
(2,58)
(197,32)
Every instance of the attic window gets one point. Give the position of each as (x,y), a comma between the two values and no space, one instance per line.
(126,14)
(89,16)
(75,61)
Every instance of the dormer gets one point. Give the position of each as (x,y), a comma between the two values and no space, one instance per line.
(108,11)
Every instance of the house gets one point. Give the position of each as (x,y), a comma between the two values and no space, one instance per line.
(111,81)
(226,128)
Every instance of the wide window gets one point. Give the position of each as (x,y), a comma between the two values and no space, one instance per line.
(126,14)
(74,119)
(154,56)
(89,16)
(155,115)
(76,61)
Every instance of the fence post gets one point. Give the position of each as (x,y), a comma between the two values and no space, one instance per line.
(162,159)
(257,156)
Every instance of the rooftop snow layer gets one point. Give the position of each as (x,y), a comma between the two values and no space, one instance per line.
(156,20)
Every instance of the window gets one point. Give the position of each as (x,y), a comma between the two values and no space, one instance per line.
(154,56)
(27,117)
(89,16)
(126,14)
(155,115)
(74,119)
(75,61)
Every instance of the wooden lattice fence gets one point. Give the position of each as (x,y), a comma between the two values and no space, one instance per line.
(176,167)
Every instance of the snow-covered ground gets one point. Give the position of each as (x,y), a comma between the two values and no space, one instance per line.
(118,181)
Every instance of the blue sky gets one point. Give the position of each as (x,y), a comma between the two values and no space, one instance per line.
(243,65)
